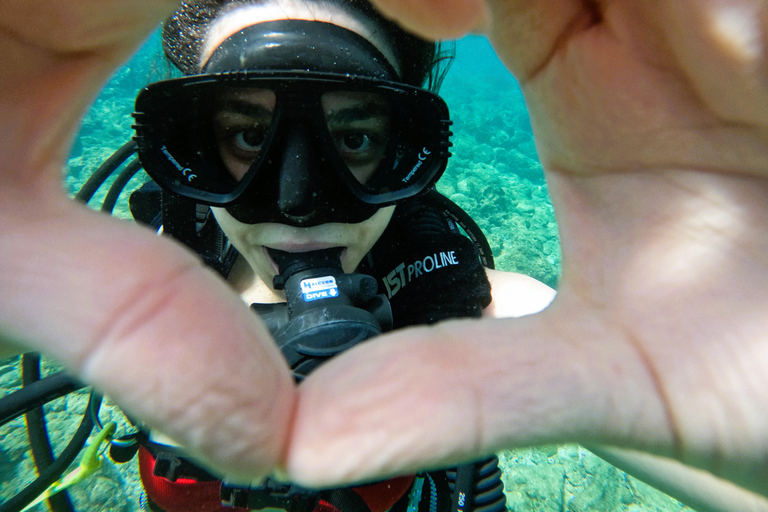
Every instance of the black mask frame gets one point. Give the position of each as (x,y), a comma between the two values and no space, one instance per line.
(177,147)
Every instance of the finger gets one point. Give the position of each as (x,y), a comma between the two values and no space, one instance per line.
(436,19)
(720,44)
(656,342)
(697,489)
(432,397)
(78,26)
(525,33)
(57,56)
(141,319)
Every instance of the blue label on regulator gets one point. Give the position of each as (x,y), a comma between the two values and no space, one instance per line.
(319,288)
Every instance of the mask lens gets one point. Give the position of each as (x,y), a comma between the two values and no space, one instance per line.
(199,140)
(241,121)
(391,142)
(359,124)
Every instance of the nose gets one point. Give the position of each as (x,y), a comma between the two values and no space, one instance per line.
(297,198)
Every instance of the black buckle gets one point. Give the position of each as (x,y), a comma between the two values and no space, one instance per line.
(172,467)
(270,494)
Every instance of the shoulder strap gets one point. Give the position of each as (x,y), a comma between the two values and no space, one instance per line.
(188,222)
(454,212)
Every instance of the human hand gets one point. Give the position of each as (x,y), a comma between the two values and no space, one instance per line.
(654,254)
(651,120)
(135,315)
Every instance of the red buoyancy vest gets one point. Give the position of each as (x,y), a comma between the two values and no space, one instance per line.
(187,495)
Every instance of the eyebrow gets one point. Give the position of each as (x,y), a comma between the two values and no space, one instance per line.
(256,110)
(358,113)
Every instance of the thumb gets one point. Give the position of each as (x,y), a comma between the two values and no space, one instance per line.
(141,319)
(436,19)
(432,397)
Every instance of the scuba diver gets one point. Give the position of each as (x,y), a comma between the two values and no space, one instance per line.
(298,157)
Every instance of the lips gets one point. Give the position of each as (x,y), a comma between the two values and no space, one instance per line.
(301,246)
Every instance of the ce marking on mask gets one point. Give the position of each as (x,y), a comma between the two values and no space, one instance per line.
(185,171)
(422,157)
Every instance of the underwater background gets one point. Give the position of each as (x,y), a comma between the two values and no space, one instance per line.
(494,175)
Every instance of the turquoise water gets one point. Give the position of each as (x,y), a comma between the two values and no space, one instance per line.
(494,175)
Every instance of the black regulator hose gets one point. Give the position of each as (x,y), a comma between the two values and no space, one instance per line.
(110,200)
(104,171)
(36,395)
(37,432)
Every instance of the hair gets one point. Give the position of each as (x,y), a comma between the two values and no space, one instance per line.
(422,63)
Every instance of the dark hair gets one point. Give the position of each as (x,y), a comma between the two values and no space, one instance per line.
(422,62)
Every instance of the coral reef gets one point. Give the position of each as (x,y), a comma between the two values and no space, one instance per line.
(569,478)
(494,173)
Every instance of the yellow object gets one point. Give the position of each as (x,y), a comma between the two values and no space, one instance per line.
(91,461)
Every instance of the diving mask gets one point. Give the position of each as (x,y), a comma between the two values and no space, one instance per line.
(294,121)
(225,138)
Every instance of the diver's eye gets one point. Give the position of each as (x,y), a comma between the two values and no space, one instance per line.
(361,150)
(354,141)
(240,144)
(249,140)
(358,147)
(241,124)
